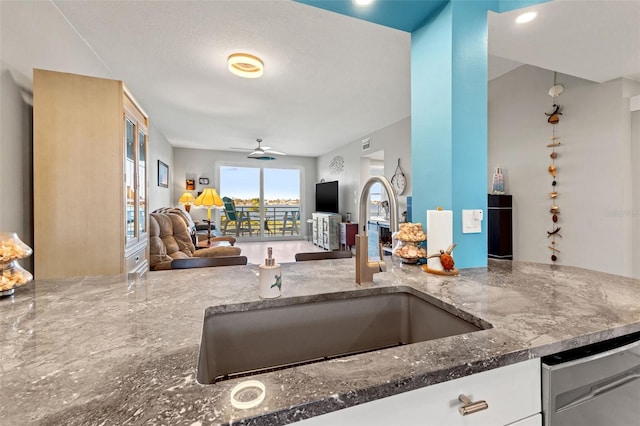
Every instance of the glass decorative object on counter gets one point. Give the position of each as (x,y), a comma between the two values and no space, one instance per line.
(410,238)
(12,275)
(497,186)
(409,251)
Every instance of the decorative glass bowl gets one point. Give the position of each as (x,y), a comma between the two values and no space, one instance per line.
(411,232)
(409,251)
(410,238)
(12,275)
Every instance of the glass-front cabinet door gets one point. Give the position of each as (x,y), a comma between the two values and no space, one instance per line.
(135,177)
(142,182)
(130,180)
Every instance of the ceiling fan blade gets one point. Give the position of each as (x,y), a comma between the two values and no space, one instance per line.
(257,152)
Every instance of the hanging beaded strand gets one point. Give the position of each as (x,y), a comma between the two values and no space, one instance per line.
(553,119)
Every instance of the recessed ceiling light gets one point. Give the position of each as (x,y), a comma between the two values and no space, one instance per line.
(363,2)
(526,17)
(245,65)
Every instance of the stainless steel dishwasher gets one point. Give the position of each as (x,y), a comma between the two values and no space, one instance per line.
(597,385)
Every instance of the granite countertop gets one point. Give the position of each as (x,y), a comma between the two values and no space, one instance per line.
(123,350)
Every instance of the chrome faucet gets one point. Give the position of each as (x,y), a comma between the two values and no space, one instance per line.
(364,268)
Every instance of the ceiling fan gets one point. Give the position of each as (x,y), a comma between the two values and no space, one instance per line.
(262,152)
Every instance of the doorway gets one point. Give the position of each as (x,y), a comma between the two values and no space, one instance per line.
(373,165)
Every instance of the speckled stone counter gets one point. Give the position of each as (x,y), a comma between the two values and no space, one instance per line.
(123,350)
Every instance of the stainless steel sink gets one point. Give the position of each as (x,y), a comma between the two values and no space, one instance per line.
(327,326)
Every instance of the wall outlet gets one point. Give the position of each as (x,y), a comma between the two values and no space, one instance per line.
(472,221)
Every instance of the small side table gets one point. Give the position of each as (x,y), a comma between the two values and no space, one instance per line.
(348,233)
(217,242)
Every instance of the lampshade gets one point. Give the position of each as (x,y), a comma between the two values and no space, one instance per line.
(209,198)
(186,198)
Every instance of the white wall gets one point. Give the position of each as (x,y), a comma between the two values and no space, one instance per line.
(594,167)
(197,163)
(394,140)
(635,211)
(159,149)
(33,34)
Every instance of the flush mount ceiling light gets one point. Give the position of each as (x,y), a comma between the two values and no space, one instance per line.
(526,17)
(363,2)
(245,65)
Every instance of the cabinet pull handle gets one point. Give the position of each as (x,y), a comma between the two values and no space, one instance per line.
(470,407)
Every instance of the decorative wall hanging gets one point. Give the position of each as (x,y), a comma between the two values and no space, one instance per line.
(163,174)
(399,180)
(190,184)
(553,118)
(336,165)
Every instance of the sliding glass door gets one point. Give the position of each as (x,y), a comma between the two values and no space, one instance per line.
(242,185)
(282,201)
(267,201)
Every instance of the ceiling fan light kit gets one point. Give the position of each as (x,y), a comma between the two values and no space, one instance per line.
(263,157)
(261,152)
(245,65)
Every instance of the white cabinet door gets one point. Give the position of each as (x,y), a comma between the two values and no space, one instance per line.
(512,393)
(326,230)
(317,229)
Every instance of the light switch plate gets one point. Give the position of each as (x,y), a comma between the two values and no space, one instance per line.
(472,221)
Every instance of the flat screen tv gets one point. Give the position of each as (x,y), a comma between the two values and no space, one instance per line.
(327,197)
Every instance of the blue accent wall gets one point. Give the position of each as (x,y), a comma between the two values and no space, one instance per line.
(469,117)
(431,135)
(405,15)
(449,121)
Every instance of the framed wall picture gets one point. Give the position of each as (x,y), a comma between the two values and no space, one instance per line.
(163,174)
(203,181)
(191,184)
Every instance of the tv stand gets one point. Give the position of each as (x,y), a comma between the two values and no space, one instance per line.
(326,230)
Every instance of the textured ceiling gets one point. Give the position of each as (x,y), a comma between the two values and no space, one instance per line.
(329,78)
(594,40)
(406,15)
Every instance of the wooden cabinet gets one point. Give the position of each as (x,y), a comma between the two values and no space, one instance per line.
(348,233)
(512,394)
(326,230)
(90,177)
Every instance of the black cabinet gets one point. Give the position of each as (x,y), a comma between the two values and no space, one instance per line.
(499,227)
